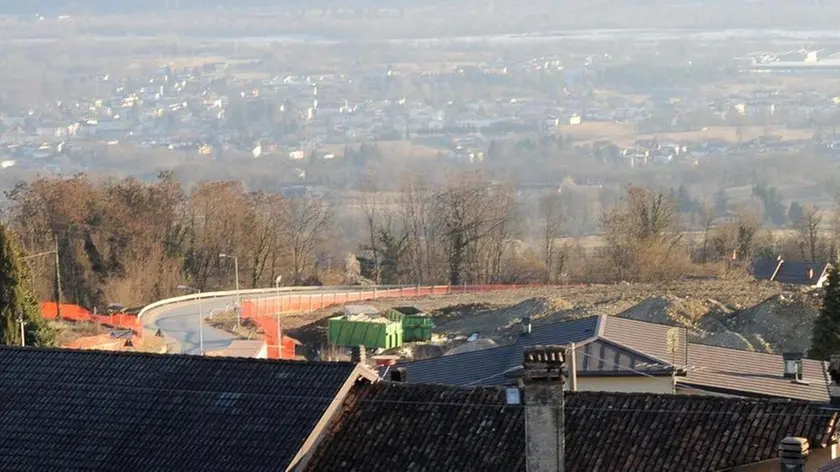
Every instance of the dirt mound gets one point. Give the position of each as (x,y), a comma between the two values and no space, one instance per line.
(780,323)
(724,338)
(490,322)
(669,310)
(424,351)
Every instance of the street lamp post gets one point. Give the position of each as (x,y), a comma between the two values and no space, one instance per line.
(277,290)
(57,276)
(23,324)
(277,309)
(236,272)
(200,321)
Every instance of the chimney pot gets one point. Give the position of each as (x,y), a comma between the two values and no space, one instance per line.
(793,452)
(545,363)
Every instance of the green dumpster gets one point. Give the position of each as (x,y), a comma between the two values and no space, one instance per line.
(416,325)
(370,332)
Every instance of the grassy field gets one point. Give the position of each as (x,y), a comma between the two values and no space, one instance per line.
(624,135)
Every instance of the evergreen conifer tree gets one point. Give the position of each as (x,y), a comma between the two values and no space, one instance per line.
(17,297)
(825,339)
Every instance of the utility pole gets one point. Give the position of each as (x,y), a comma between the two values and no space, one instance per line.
(57,275)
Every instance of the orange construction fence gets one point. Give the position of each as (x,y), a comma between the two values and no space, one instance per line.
(263,310)
(70,312)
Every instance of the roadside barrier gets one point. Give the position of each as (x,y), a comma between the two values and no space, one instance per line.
(70,312)
(263,306)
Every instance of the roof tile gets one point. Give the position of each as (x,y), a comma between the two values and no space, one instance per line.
(391,426)
(65,409)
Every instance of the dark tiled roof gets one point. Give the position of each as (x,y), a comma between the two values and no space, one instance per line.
(715,368)
(442,428)
(626,344)
(65,409)
(752,374)
(644,432)
(791,272)
(487,367)
(764,268)
(395,427)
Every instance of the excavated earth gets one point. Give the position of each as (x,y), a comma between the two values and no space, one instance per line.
(737,313)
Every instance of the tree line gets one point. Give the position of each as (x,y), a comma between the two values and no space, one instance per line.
(131,242)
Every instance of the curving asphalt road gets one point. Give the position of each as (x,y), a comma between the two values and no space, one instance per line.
(179,321)
(179,324)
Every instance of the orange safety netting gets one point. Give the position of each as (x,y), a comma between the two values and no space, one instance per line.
(264,311)
(71,312)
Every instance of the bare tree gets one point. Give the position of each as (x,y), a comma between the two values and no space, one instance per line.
(551,212)
(219,214)
(392,241)
(468,210)
(370,209)
(309,220)
(706,214)
(266,244)
(416,209)
(485,258)
(736,240)
(643,236)
(807,228)
(835,230)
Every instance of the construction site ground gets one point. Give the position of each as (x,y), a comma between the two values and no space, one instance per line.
(68,333)
(740,313)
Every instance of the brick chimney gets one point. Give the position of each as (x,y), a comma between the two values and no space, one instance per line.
(834,374)
(543,389)
(792,454)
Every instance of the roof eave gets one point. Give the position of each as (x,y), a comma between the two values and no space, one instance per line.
(360,372)
(744,393)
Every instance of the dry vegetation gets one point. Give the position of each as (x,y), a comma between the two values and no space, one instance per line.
(111,234)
